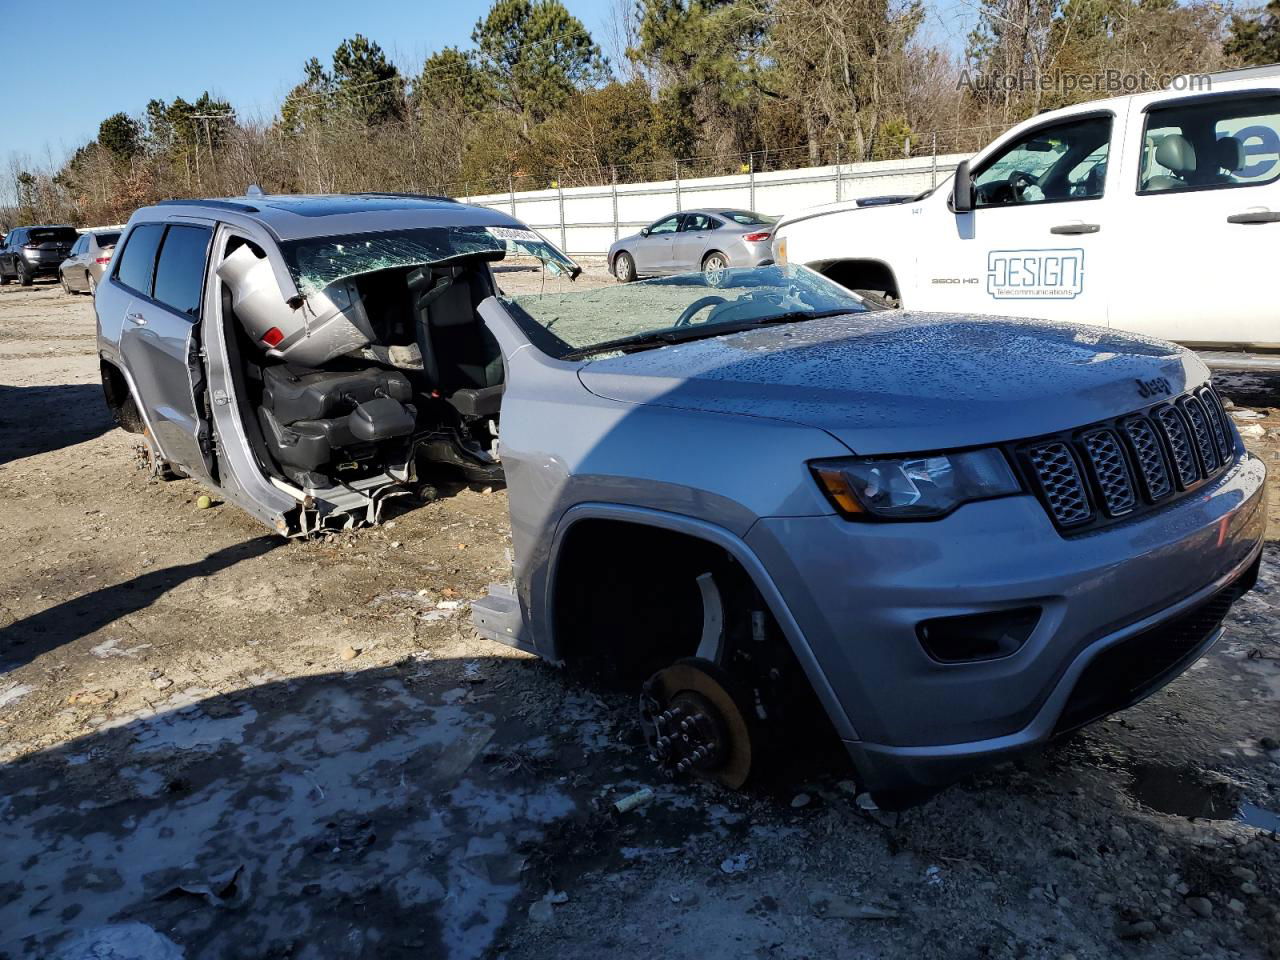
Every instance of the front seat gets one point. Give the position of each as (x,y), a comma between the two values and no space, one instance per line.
(1176,154)
(460,357)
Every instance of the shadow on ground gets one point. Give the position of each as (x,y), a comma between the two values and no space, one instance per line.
(24,640)
(384,813)
(35,420)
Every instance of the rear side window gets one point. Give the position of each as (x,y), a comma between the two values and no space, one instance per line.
(137,263)
(1211,144)
(180,270)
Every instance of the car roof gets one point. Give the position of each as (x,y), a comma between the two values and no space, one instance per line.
(297,216)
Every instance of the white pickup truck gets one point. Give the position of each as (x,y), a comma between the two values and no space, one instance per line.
(1157,213)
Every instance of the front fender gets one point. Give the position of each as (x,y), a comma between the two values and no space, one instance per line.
(541,598)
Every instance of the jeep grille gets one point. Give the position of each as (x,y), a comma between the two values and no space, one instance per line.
(1113,470)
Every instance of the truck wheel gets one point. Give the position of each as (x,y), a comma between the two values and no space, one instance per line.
(24,278)
(624,268)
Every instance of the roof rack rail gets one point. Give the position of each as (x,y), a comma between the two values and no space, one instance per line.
(412,196)
(1242,73)
(220,204)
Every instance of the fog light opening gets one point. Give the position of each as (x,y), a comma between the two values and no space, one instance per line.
(978,636)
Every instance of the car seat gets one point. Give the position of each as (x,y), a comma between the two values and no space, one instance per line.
(1229,153)
(313,419)
(1176,154)
(460,357)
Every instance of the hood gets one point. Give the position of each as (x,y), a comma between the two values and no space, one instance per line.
(895,382)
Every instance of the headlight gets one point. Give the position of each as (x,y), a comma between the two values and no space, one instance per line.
(914,487)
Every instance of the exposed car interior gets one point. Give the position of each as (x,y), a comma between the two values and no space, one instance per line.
(422,379)
(1066,161)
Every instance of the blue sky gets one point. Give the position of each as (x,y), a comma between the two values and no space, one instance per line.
(88,62)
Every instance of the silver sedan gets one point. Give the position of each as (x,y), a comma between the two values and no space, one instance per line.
(82,271)
(709,240)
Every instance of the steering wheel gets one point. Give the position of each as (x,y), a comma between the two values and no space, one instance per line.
(1018,183)
(686,316)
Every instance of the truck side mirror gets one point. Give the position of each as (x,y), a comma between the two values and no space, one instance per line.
(962,189)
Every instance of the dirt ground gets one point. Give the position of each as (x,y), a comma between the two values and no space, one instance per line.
(218,744)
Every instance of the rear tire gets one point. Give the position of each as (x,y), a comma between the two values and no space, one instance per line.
(624,268)
(714,265)
(91,284)
(66,287)
(24,279)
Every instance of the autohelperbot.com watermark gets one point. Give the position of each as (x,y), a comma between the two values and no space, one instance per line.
(1110,81)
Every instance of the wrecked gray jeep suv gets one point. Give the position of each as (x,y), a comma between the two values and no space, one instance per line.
(773,511)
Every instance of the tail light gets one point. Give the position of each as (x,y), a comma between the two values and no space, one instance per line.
(756,237)
(31,246)
(273,336)
(102,260)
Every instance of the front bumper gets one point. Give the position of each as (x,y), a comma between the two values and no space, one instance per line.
(858,590)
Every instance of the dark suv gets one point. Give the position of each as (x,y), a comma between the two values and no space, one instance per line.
(31,252)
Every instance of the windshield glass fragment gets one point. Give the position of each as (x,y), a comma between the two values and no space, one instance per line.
(317,262)
(580,322)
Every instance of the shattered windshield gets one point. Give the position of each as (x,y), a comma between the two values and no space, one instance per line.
(572,323)
(316,262)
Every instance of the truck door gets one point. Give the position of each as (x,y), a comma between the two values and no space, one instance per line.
(1035,243)
(160,340)
(1202,218)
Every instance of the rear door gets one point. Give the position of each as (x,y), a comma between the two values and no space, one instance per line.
(12,243)
(692,241)
(1203,227)
(165,273)
(73,267)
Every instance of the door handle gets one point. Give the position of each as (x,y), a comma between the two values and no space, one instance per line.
(1071,229)
(137,318)
(1255,216)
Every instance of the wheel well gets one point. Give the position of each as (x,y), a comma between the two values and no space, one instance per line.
(710,253)
(863,275)
(625,601)
(120,402)
(613,259)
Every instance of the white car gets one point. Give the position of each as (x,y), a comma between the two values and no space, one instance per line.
(1157,213)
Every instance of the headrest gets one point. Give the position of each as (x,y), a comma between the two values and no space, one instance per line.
(1176,153)
(1230,154)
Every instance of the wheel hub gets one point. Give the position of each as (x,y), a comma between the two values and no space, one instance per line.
(695,725)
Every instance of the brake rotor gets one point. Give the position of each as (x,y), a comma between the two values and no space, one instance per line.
(696,725)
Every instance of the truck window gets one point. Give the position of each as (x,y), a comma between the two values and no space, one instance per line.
(1211,143)
(1065,161)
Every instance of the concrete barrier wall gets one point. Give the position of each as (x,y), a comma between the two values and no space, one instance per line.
(586,220)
